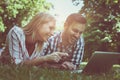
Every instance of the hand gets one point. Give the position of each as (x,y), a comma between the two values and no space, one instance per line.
(62,54)
(56,56)
(68,65)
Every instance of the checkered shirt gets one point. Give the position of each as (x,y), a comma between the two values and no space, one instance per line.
(75,51)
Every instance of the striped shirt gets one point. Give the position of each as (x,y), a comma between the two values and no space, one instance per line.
(17,47)
(75,51)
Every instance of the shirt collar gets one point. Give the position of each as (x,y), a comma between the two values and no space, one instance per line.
(60,40)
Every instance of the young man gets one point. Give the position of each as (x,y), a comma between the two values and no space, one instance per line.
(69,41)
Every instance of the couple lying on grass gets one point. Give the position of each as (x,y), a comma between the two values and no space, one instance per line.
(36,43)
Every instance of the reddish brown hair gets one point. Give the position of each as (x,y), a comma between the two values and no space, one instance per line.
(75,17)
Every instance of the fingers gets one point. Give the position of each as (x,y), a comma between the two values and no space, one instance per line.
(56,58)
(68,65)
(64,66)
(61,54)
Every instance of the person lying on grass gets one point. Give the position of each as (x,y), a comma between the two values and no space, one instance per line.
(70,41)
(24,44)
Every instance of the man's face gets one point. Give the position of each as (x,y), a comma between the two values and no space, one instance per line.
(73,32)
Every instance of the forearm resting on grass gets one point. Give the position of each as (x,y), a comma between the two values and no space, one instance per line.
(53,57)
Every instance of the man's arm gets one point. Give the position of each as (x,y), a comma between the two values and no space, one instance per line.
(78,52)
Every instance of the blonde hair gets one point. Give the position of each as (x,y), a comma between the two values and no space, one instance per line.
(37,20)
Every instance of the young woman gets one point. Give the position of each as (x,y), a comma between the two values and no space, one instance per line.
(25,43)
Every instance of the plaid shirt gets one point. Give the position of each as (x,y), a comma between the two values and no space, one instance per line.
(17,47)
(75,51)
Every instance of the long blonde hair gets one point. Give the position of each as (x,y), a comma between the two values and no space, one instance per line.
(37,20)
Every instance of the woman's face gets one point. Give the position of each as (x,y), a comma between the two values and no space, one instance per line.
(45,31)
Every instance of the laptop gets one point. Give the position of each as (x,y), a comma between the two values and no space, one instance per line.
(100,62)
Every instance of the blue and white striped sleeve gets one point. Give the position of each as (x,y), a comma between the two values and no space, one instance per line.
(15,46)
(78,52)
(50,46)
(46,49)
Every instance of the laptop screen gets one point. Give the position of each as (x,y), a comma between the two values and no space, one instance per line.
(101,62)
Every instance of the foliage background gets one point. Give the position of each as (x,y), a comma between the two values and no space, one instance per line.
(103,28)
(18,12)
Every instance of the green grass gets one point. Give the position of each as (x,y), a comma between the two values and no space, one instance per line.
(12,72)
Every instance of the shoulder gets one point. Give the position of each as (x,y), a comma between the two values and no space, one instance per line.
(16,31)
(55,36)
(80,40)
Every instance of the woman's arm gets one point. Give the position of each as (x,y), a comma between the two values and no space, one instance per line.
(14,45)
(53,57)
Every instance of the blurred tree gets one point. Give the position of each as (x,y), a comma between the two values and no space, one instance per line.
(103,27)
(18,12)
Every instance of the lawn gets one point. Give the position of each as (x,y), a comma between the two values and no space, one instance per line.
(13,72)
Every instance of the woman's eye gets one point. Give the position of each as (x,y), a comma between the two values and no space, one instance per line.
(76,31)
(52,28)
